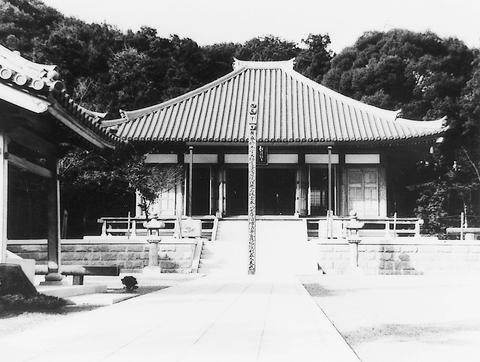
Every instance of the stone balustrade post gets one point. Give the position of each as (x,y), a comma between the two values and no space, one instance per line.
(153,239)
(354,239)
(153,253)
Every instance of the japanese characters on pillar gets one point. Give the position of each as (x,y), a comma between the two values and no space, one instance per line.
(252,163)
(262,155)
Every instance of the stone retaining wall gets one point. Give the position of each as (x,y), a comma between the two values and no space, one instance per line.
(411,256)
(131,255)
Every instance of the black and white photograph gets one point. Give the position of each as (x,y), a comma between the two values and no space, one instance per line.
(239,181)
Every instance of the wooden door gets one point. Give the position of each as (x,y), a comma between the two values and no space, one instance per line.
(166,202)
(363,191)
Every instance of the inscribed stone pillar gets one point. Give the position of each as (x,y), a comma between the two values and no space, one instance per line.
(252,169)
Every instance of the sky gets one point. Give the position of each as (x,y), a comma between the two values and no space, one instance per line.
(215,21)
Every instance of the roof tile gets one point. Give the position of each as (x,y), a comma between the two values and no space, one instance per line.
(291,108)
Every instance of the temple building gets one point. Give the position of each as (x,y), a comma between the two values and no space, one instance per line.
(39,123)
(309,138)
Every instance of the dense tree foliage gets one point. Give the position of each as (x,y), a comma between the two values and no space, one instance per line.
(419,73)
(425,76)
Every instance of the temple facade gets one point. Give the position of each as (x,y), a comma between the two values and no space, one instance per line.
(317,150)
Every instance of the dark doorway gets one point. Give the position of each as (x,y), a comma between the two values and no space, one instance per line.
(275,191)
(319,191)
(237,191)
(201,191)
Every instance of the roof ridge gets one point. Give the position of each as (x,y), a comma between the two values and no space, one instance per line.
(262,64)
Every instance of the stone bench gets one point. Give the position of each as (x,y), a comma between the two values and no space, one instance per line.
(79,272)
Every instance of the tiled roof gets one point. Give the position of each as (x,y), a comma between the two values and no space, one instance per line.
(291,108)
(42,82)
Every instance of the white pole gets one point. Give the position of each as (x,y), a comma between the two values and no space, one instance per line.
(462,218)
(128,225)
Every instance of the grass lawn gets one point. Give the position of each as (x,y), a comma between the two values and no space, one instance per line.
(403,318)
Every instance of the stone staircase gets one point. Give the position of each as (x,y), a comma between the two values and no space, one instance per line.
(282,248)
(228,253)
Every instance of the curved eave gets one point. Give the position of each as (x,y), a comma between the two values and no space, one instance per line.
(80,121)
(278,142)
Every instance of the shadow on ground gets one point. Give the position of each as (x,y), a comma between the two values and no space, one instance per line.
(429,333)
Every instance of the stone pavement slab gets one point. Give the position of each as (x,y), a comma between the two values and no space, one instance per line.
(210,319)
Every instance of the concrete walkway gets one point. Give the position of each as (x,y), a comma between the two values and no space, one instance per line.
(210,319)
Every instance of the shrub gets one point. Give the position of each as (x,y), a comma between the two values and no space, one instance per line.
(34,303)
(130,283)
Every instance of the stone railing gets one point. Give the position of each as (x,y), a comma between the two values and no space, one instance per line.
(336,227)
(136,227)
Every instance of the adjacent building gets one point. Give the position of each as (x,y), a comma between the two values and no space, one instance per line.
(39,122)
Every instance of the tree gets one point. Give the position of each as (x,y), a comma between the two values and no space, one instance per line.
(151,180)
(314,61)
(117,175)
(419,73)
(267,48)
(24,25)
(424,76)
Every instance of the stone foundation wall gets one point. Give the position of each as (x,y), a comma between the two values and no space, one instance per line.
(132,256)
(415,256)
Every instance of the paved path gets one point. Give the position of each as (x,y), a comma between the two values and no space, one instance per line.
(236,319)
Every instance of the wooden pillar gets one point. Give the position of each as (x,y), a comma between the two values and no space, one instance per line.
(190,181)
(252,180)
(179,198)
(343,186)
(185,192)
(53,223)
(221,190)
(382,191)
(298,191)
(3,196)
(301,207)
(329,193)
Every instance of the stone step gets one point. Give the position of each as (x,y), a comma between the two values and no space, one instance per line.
(282,247)
(68,291)
(101,299)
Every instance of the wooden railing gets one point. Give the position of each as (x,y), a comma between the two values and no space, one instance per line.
(336,227)
(135,227)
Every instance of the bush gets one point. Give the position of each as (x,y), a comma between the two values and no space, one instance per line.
(34,303)
(130,283)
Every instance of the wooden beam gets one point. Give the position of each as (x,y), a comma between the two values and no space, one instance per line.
(23,100)
(29,166)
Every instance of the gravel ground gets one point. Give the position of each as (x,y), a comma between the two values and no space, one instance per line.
(14,322)
(404,318)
